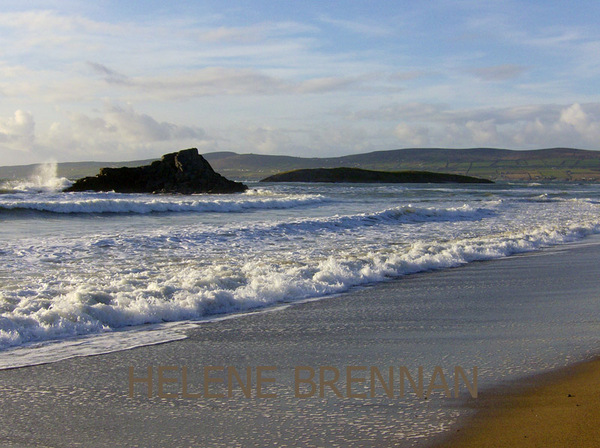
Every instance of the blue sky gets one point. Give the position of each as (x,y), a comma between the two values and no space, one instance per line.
(112,80)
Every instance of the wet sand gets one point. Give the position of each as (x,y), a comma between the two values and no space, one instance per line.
(85,401)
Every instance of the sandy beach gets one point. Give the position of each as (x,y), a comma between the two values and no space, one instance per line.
(558,409)
(85,401)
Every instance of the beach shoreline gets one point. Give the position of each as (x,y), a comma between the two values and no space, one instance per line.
(553,409)
(85,401)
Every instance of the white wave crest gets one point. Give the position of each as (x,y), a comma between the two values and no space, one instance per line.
(395,215)
(142,204)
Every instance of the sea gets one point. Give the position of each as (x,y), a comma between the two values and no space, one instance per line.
(89,273)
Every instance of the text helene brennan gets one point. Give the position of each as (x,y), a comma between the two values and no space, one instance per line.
(358,382)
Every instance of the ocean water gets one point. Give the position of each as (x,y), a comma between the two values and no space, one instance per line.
(86,273)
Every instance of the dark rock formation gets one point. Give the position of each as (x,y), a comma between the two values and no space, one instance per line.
(358,175)
(183,172)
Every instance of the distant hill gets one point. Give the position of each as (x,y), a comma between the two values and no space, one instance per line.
(496,164)
(358,175)
(490,163)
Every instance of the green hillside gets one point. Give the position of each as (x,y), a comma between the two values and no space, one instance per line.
(496,164)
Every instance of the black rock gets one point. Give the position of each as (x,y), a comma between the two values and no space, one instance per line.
(357,175)
(184,172)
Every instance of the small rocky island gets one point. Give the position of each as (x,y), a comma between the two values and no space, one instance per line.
(357,175)
(185,172)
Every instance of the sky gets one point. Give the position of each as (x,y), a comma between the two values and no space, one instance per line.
(126,80)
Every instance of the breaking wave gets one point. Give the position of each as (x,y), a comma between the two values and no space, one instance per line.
(65,277)
(195,290)
(73,203)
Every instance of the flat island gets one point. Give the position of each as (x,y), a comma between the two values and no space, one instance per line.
(358,175)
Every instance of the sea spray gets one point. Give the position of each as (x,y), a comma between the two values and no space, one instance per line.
(43,178)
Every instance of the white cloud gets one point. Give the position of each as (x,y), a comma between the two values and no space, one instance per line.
(416,136)
(554,38)
(324,140)
(407,75)
(534,126)
(224,81)
(322,80)
(314,141)
(18,131)
(266,140)
(12,71)
(363,28)
(498,72)
(323,85)
(574,125)
(212,81)
(244,35)
(252,34)
(410,111)
(482,132)
(125,125)
(576,117)
(137,127)
(118,129)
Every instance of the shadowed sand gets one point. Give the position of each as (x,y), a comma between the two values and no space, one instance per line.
(84,401)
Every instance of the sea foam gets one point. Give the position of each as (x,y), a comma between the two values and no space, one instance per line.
(97,275)
(176,292)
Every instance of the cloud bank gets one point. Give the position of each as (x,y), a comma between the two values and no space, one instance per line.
(309,78)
